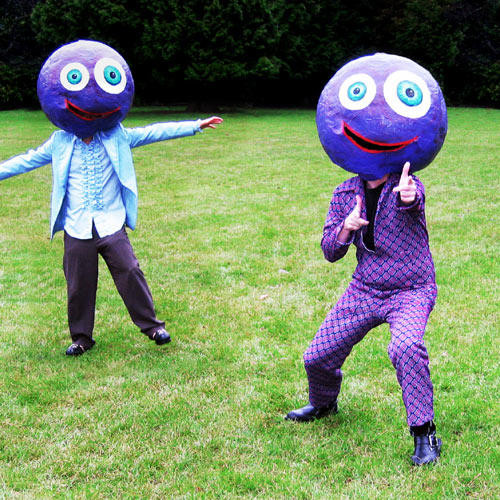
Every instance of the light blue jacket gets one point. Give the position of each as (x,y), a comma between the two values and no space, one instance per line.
(117,141)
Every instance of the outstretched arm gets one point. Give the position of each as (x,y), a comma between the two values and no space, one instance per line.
(141,136)
(25,162)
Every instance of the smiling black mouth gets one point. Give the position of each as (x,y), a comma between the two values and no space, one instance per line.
(373,146)
(88,115)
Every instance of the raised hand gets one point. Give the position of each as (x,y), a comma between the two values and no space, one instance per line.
(353,222)
(211,122)
(407,189)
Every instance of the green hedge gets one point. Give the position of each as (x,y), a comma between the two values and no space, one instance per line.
(257,51)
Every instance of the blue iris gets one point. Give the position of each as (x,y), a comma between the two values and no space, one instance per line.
(356,91)
(112,75)
(409,93)
(75,76)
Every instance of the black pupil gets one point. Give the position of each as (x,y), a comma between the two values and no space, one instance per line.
(356,90)
(410,92)
(112,75)
(74,76)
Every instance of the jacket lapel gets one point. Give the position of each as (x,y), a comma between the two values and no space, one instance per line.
(118,150)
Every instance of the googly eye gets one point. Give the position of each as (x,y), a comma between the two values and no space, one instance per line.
(407,94)
(410,93)
(74,76)
(110,75)
(357,91)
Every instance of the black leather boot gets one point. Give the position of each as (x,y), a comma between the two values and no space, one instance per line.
(427,445)
(76,349)
(310,412)
(160,336)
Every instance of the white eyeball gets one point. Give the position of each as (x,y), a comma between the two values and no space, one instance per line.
(357,91)
(407,94)
(110,75)
(74,76)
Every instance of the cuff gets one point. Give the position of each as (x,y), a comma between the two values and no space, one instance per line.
(348,242)
(411,206)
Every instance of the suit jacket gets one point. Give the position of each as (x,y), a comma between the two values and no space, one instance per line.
(402,258)
(118,142)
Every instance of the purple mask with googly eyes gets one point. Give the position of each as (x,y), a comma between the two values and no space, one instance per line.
(85,87)
(380,111)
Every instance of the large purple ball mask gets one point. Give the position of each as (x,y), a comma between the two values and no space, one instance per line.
(380,111)
(85,87)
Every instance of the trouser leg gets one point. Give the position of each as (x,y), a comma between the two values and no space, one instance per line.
(344,326)
(129,280)
(408,317)
(80,263)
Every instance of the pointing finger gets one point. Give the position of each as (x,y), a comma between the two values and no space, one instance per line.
(405,174)
(359,203)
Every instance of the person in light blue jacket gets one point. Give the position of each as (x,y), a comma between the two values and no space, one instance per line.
(86,88)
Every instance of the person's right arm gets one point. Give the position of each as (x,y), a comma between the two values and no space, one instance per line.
(340,226)
(20,164)
(353,222)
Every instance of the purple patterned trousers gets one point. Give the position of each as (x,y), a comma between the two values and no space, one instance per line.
(359,310)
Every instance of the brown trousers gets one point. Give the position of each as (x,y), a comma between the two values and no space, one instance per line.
(81,271)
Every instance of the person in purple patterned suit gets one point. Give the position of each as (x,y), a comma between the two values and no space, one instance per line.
(380,211)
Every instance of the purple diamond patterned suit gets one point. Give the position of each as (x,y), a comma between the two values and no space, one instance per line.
(394,284)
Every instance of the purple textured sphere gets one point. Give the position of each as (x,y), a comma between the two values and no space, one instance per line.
(84,87)
(380,111)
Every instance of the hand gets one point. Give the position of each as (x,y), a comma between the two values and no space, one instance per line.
(211,122)
(352,223)
(407,189)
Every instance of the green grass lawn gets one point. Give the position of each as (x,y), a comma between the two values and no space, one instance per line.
(228,236)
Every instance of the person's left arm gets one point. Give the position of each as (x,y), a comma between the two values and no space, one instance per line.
(140,136)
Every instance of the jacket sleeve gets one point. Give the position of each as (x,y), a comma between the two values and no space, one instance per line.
(34,158)
(338,211)
(155,132)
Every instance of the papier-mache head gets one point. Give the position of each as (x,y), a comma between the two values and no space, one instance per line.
(380,111)
(84,87)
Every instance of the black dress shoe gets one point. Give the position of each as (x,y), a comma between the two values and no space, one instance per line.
(310,412)
(160,336)
(427,449)
(77,349)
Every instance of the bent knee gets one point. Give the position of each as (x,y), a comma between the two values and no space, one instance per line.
(312,357)
(318,358)
(405,349)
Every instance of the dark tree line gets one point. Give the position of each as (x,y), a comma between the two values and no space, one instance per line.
(272,52)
